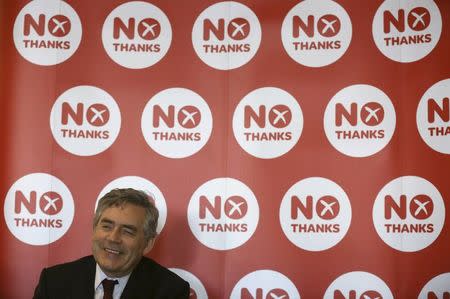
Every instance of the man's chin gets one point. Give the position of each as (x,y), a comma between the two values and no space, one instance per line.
(112,270)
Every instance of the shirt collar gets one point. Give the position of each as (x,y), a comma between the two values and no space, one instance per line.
(100,275)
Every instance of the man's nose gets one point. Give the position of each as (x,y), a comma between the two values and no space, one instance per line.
(115,235)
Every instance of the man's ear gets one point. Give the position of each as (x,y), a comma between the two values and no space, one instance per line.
(149,245)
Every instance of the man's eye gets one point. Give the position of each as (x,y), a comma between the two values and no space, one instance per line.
(106,226)
(128,232)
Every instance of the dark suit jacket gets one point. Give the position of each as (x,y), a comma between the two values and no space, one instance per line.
(75,280)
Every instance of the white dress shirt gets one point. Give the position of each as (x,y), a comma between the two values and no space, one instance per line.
(118,288)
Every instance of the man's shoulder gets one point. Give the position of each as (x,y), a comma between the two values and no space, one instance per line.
(150,266)
(72,277)
(149,277)
(80,264)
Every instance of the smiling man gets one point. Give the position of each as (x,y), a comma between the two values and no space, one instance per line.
(124,231)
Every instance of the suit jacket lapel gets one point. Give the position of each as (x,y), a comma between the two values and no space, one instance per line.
(138,285)
(85,280)
(132,286)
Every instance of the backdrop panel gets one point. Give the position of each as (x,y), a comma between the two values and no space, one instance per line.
(294,148)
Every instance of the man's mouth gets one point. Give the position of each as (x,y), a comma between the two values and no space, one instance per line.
(112,251)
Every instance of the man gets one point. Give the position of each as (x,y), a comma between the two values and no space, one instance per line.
(124,230)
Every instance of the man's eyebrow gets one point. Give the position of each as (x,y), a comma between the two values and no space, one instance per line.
(106,220)
(127,226)
(131,227)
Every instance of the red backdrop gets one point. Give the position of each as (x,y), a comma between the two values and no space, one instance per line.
(29,91)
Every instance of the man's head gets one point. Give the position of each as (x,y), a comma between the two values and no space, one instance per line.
(124,230)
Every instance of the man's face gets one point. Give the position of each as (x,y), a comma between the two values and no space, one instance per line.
(118,242)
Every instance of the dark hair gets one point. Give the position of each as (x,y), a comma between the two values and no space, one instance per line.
(119,197)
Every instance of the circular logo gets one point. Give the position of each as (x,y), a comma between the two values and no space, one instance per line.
(223,213)
(136,35)
(358,285)
(433,117)
(47,32)
(38,209)
(438,287)
(197,291)
(142,184)
(316,33)
(176,123)
(267,122)
(265,284)
(226,35)
(359,120)
(315,214)
(407,30)
(409,213)
(85,120)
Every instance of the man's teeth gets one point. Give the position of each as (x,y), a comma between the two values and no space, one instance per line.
(112,251)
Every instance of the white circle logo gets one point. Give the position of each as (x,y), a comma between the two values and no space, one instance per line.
(358,285)
(176,123)
(433,117)
(265,284)
(85,120)
(316,33)
(315,214)
(267,122)
(142,184)
(438,287)
(359,120)
(136,35)
(407,30)
(38,209)
(226,35)
(409,213)
(47,32)
(197,291)
(223,213)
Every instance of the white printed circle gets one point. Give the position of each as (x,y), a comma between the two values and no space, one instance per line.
(176,123)
(359,120)
(223,213)
(139,183)
(226,35)
(436,287)
(407,30)
(85,120)
(136,35)
(270,283)
(433,117)
(38,209)
(316,33)
(361,284)
(47,32)
(267,122)
(315,214)
(409,213)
